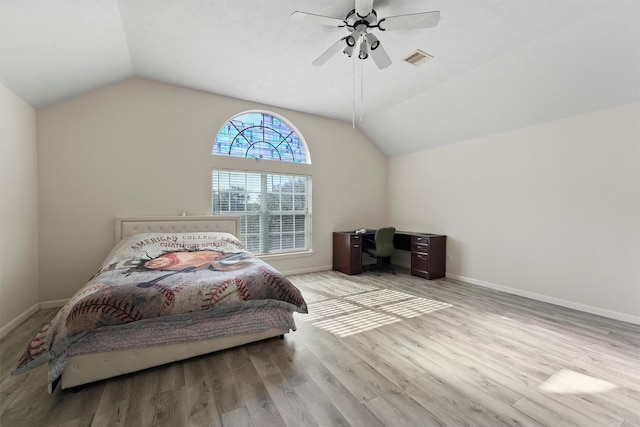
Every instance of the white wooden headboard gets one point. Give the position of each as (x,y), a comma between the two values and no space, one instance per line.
(130,225)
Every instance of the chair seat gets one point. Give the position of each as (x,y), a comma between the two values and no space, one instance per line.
(383,248)
(375,253)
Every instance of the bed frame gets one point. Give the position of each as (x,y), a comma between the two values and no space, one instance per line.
(86,368)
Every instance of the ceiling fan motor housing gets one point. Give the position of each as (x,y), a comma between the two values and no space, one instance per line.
(353,20)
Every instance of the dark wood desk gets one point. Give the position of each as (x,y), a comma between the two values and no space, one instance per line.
(428,252)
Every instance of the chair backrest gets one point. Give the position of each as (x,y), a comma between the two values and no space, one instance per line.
(384,241)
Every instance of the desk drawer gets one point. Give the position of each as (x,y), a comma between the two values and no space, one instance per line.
(422,248)
(419,244)
(420,262)
(355,240)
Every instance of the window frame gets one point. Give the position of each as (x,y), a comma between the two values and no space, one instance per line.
(266,167)
(266,214)
(294,130)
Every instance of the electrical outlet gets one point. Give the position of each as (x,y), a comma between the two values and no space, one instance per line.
(449,257)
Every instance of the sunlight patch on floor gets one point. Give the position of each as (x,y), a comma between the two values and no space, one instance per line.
(310,297)
(379,297)
(355,323)
(329,308)
(567,381)
(357,308)
(339,287)
(415,307)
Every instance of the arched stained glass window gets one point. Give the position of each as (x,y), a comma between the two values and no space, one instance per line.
(259,136)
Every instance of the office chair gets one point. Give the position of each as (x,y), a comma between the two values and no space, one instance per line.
(381,249)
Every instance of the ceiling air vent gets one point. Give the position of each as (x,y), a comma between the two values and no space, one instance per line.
(418,57)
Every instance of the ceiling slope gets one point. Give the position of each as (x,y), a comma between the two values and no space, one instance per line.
(589,65)
(52,50)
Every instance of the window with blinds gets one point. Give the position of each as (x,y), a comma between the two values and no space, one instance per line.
(274,208)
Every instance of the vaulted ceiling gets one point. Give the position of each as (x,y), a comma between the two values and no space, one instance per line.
(498,64)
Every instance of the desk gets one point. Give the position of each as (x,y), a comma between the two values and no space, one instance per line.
(428,251)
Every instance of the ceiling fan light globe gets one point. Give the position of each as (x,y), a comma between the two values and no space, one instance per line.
(373,41)
(348,51)
(363,54)
(351,41)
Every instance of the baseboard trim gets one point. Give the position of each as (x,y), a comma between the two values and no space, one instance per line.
(54,303)
(30,312)
(551,300)
(18,320)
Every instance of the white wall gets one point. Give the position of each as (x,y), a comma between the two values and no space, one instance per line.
(18,211)
(550,211)
(144,148)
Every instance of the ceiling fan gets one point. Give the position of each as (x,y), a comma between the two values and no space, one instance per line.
(359,21)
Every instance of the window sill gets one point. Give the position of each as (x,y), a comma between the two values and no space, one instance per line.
(287,255)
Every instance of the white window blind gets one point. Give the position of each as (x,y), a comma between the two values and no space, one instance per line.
(274,209)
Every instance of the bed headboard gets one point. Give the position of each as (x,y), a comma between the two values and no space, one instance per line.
(130,225)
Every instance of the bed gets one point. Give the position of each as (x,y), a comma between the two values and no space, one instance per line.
(171,288)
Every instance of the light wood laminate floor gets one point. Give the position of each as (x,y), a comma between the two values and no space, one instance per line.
(374,351)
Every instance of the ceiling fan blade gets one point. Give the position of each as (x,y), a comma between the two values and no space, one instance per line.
(409,22)
(317,19)
(364,7)
(337,47)
(380,56)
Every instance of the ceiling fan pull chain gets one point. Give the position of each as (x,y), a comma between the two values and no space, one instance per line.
(353,90)
(361,89)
